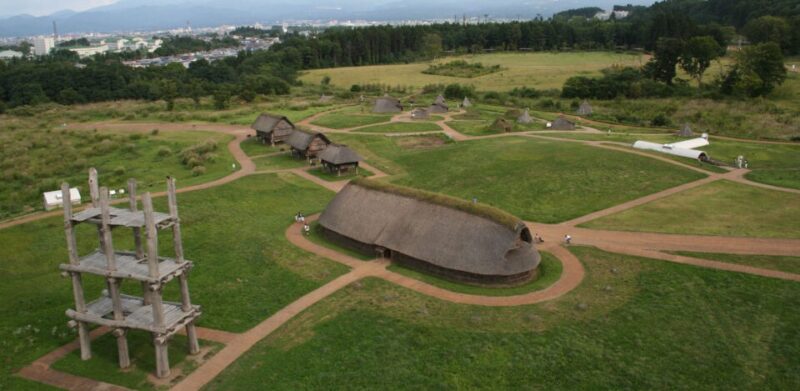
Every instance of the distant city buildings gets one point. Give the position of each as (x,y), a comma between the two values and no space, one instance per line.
(6,55)
(606,15)
(43,45)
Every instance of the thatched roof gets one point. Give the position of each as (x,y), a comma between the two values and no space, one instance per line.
(301,139)
(562,123)
(441,230)
(387,104)
(502,124)
(420,113)
(686,131)
(266,122)
(466,102)
(339,154)
(525,118)
(439,105)
(585,108)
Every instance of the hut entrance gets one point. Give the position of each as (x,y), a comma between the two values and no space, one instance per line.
(383,252)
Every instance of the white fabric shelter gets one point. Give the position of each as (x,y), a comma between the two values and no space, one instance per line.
(52,199)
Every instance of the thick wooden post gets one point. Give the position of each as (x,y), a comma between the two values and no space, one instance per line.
(137,236)
(186,303)
(77,282)
(113,283)
(152,260)
(162,358)
(93,187)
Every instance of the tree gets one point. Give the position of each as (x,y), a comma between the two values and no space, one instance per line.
(769,29)
(222,97)
(169,91)
(326,80)
(697,56)
(667,54)
(758,70)
(431,44)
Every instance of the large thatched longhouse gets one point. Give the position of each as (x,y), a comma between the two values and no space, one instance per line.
(438,234)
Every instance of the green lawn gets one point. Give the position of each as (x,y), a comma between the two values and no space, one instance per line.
(253,147)
(784,264)
(774,164)
(402,127)
(549,272)
(631,324)
(719,208)
(104,366)
(332,177)
(35,161)
(279,162)
(234,234)
(350,118)
(543,181)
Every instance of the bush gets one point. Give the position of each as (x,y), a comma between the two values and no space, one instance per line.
(525,92)
(660,120)
(119,171)
(355,88)
(458,91)
(154,132)
(198,170)
(164,151)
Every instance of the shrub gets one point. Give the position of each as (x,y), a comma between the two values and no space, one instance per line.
(119,171)
(458,91)
(154,132)
(660,120)
(198,170)
(164,151)
(355,88)
(525,92)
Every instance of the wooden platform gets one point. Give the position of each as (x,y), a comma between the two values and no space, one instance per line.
(128,266)
(122,218)
(137,314)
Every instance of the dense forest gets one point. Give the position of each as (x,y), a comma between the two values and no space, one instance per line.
(685,33)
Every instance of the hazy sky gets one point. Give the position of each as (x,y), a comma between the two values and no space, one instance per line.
(46,7)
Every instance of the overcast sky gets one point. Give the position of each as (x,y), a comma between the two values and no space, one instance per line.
(46,7)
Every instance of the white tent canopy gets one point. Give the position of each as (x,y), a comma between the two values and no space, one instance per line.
(670,150)
(52,199)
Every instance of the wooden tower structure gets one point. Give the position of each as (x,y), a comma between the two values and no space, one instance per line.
(113,309)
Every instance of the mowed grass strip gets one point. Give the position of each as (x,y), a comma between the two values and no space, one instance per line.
(773,262)
(402,127)
(245,270)
(351,118)
(719,208)
(549,272)
(632,323)
(281,161)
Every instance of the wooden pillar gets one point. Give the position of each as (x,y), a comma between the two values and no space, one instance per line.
(93,187)
(113,283)
(162,358)
(152,260)
(183,279)
(137,236)
(77,282)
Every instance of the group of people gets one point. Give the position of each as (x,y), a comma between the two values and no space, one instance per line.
(300,218)
(538,239)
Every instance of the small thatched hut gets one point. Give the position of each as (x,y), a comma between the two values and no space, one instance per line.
(466,103)
(502,125)
(525,118)
(585,108)
(562,123)
(337,158)
(387,104)
(420,113)
(439,105)
(271,128)
(686,131)
(307,144)
(442,235)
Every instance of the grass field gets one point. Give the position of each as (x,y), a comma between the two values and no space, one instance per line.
(549,272)
(279,162)
(402,127)
(535,180)
(628,330)
(350,118)
(332,177)
(784,264)
(37,160)
(538,70)
(253,147)
(104,366)
(719,208)
(233,233)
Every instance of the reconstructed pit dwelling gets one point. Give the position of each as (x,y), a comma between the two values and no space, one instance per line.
(113,309)
(438,234)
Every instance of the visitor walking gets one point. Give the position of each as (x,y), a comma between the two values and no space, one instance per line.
(306,229)
(567,239)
